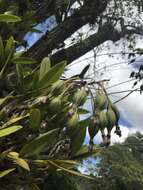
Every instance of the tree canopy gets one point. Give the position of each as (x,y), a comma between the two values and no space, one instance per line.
(120,166)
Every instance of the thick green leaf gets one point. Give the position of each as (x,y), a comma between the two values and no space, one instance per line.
(22,163)
(83,152)
(85,122)
(67,163)
(13,155)
(19,161)
(10,130)
(35,119)
(6,99)
(8,53)
(77,139)
(44,68)
(1,51)
(9,18)
(6,172)
(24,61)
(9,48)
(35,79)
(34,30)
(14,120)
(40,148)
(78,136)
(40,143)
(17,55)
(20,73)
(52,75)
(83,111)
(70,171)
(71,162)
(64,163)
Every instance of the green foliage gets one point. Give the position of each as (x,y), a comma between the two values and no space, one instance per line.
(119,168)
(38,145)
(124,171)
(9,18)
(9,130)
(65,182)
(6,172)
(52,75)
(14,156)
(40,127)
(37,118)
(44,68)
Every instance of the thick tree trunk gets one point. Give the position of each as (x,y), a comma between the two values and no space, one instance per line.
(51,40)
(76,51)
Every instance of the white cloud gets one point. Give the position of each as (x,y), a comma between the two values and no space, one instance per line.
(126,131)
(131,107)
(116,139)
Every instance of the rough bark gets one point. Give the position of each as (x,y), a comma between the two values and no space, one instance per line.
(51,40)
(76,51)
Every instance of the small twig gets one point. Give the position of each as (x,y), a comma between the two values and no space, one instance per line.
(124,97)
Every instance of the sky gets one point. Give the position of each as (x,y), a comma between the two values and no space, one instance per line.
(131,108)
(114,67)
(48,25)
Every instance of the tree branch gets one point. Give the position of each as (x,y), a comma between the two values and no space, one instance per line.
(74,52)
(104,34)
(50,40)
